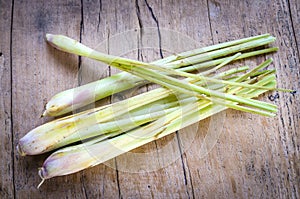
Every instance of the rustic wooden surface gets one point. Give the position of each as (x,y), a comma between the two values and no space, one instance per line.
(254,157)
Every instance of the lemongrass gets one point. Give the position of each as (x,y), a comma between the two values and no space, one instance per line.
(72,46)
(87,124)
(48,142)
(65,130)
(76,158)
(195,90)
(114,129)
(219,46)
(72,99)
(221,52)
(139,69)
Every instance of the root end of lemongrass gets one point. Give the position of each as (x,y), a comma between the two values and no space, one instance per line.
(49,37)
(45,113)
(40,172)
(53,109)
(20,151)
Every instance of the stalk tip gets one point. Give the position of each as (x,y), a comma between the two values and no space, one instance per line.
(40,172)
(20,151)
(49,111)
(49,37)
(45,113)
(52,39)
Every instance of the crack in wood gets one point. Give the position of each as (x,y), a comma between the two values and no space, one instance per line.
(99,15)
(11,99)
(81,27)
(118,179)
(209,21)
(191,181)
(293,28)
(138,14)
(157,26)
(80,40)
(184,166)
(140,35)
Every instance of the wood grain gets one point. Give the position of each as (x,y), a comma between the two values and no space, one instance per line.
(6,147)
(230,155)
(294,7)
(39,72)
(145,162)
(249,160)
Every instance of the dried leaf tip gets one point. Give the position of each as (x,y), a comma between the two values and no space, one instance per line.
(40,172)
(20,151)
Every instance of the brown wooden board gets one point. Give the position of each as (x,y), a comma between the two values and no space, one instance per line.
(39,72)
(249,156)
(6,137)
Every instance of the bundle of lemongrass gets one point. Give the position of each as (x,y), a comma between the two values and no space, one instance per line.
(114,129)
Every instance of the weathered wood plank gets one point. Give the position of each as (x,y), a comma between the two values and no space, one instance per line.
(123,41)
(142,163)
(98,19)
(117,48)
(294,7)
(253,156)
(165,176)
(6,151)
(39,72)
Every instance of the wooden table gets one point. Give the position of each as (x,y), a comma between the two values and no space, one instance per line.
(253,157)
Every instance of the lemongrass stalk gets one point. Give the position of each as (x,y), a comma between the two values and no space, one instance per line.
(265,80)
(85,124)
(65,130)
(214,80)
(193,89)
(75,98)
(73,159)
(208,79)
(135,67)
(221,52)
(225,62)
(72,99)
(214,62)
(72,46)
(259,67)
(254,70)
(260,77)
(218,46)
(47,136)
(52,141)
(54,166)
